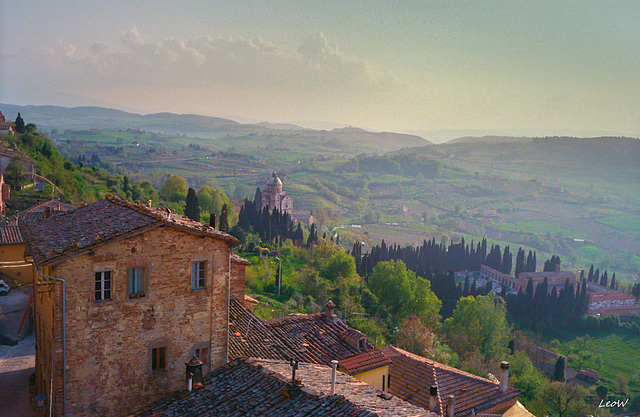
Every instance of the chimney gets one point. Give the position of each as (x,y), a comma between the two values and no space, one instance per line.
(504,376)
(452,403)
(334,366)
(433,398)
(58,207)
(149,204)
(212,220)
(47,212)
(294,366)
(330,307)
(558,267)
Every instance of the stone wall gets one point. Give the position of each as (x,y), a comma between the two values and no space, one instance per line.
(109,343)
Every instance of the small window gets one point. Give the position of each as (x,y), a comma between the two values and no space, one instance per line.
(136,282)
(159,358)
(382,382)
(198,273)
(389,381)
(361,343)
(102,285)
(203,354)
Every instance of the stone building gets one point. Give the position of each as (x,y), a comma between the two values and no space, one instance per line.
(124,296)
(274,196)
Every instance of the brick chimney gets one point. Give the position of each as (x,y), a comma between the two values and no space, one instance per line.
(558,267)
(433,398)
(504,376)
(212,220)
(330,307)
(47,212)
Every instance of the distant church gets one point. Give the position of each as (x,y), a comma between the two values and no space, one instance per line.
(274,197)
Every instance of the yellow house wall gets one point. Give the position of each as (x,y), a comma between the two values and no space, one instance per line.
(374,377)
(13,264)
(109,342)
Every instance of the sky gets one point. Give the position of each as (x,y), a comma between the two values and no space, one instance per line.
(437,68)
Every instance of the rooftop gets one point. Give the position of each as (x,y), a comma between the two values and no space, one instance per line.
(365,361)
(316,338)
(10,235)
(73,233)
(412,375)
(312,338)
(37,212)
(260,388)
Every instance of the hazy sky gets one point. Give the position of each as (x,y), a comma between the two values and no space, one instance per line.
(524,67)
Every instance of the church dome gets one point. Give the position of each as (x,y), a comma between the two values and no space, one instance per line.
(274,180)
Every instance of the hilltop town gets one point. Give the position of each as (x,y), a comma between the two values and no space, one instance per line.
(176,298)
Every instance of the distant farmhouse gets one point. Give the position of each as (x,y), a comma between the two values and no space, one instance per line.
(5,128)
(556,279)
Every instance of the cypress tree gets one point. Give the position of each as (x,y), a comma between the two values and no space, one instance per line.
(613,281)
(560,369)
(192,206)
(224,219)
(20,124)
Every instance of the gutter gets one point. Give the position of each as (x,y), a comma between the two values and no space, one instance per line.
(228,304)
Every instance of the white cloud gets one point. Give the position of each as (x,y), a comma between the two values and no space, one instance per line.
(212,64)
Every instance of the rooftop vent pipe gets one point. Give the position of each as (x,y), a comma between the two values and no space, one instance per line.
(334,366)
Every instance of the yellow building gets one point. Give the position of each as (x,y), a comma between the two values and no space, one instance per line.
(370,366)
(13,265)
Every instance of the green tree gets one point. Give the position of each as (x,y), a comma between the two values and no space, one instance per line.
(192,206)
(403,293)
(560,369)
(479,323)
(174,189)
(20,127)
(564,399)
(224,219)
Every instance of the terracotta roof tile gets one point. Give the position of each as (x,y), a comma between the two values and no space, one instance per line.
(316,338)
(412,375)
(10,235)
(365,361)
(249,337)
(237,259)
(76,232)
(313,338)
(260,388)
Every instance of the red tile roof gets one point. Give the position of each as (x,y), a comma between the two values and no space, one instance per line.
(312,338)
(10,235)
(316,338)
(93,225)
(365,361)
(236,259)
(249,387)
(412,375)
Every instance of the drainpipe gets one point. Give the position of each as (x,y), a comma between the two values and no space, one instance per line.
(228,304)
(64,338)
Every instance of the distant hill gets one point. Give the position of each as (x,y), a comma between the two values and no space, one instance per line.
(77,118)
(348,140)
(489,139)
(612,157)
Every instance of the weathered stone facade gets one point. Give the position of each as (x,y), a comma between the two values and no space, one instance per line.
(109,342)
(111,338)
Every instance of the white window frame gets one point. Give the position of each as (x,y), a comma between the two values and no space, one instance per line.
(136,281)
(102,279)
(198,275)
